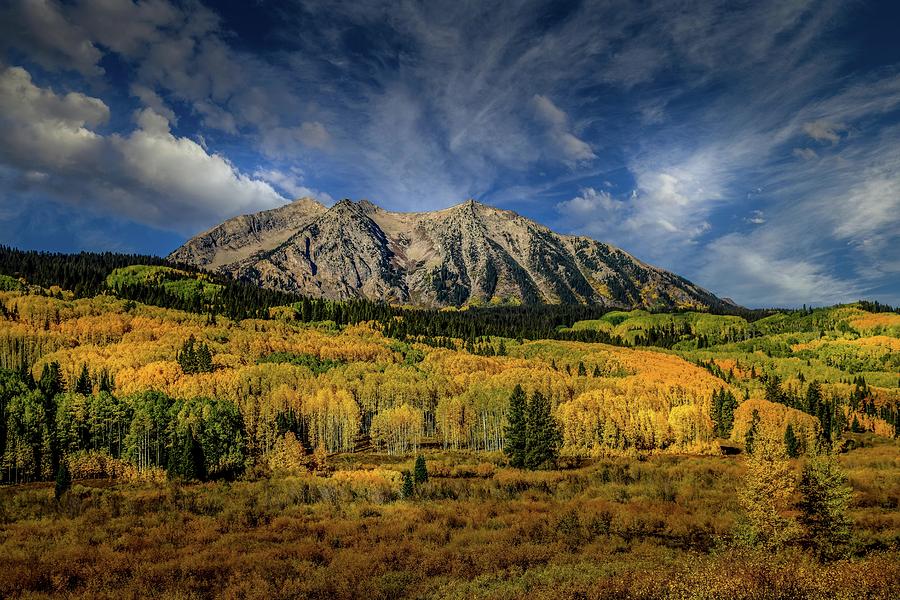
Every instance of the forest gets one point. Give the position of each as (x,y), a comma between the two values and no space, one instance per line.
(138,396)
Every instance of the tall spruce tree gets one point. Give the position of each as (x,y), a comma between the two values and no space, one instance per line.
(420,471)
(516,432)
(408,487)
(791,443)
(83,383)
(825,498)
(63,479)
(729,405)
(752,432)
(542,433)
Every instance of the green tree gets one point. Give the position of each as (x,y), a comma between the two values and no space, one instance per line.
(51,381)
(408,488)
(752,431)
(83,383)
(516,432)
(186,457)
(420,472)
(726,414)
(825,497)
(63,479)
(582,371)
(813,397)
(204,359)
(791,444)
(543,437)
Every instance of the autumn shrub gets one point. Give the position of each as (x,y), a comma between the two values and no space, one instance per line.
(377,485)
(95,464)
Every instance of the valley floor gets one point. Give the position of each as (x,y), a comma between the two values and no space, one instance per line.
(660,527)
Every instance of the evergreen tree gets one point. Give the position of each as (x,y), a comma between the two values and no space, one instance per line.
(542,438)
(204,359)
(752,431)
(856,427)
(596,371)
(582,371)
(825,497)
(420,472)
(187,357)
(773,390)
(51,382)
(729,405)
(63,479)
(408,488)
(791,444)
(516,432)
(813,397)
(715,412)
(83,383)
(188,461)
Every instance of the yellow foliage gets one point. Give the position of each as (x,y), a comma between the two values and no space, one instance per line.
(773,421)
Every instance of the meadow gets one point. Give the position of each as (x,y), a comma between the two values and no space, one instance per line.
(605,528)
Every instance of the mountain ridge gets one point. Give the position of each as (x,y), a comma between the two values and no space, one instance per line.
(467,254)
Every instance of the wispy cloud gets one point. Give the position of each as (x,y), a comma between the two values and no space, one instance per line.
(761,127)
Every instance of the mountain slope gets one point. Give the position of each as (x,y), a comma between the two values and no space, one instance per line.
(467,254)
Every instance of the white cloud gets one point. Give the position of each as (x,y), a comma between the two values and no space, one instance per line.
(756,218)
(573,150)
(760,271)
(823,131)
(51,39)
(292,183)
(590,205)
(805,153)
(151,99)
(148,175)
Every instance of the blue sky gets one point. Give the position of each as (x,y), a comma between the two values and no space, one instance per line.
(753,147)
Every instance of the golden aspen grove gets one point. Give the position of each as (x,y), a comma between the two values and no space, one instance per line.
(272,456)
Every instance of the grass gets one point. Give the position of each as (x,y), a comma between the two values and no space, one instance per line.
(613,528)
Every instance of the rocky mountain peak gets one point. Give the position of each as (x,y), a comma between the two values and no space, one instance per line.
(470,253)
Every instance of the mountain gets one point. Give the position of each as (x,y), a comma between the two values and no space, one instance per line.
(467,254)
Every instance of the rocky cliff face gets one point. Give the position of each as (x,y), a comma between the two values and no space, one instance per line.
(467,254)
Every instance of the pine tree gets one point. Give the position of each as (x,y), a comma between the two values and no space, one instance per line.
(825,497)
(83,383)
(813,397)
(791,444)
(582,371)
(752,431)
(204,359)
(596,371)
(542,433)
(420,472)
(715,412)
(408,488)
(187,358)
(63,479)
(729,405)
(51,382)
(856,427)
(516,432)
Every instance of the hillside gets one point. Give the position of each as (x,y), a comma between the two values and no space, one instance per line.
(470,254)
(288,439)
